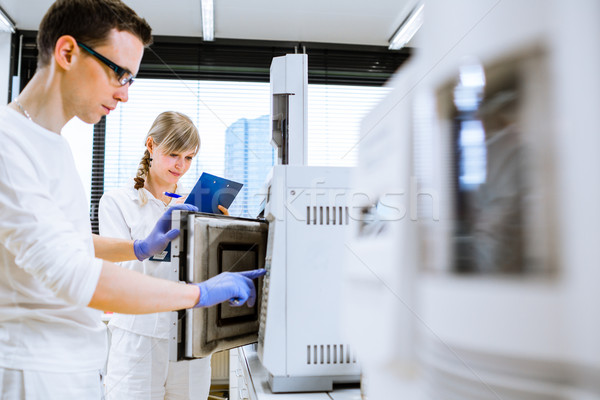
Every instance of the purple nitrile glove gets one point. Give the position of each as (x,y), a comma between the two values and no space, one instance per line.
(161,234)
(237,287)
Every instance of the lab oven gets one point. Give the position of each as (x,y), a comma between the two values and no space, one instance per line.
(208,245)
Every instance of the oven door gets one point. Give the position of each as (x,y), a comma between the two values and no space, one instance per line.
(212,244)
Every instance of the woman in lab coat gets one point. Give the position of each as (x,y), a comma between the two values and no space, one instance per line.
(138,361)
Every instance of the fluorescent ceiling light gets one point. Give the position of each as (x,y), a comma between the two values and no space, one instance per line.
(407,29)
(6,24)
(208,24)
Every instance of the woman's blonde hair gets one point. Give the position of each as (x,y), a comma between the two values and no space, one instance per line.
(171,132)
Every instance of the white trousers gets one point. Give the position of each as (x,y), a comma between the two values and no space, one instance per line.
(18,384)
(139,369)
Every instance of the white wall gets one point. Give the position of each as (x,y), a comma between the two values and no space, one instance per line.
(4,66)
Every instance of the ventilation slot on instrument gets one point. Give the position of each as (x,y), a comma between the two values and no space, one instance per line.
(329,354)
(326,215)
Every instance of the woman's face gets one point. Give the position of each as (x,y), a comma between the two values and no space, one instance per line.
(167,168)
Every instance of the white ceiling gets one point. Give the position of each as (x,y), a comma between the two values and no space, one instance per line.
(328,21)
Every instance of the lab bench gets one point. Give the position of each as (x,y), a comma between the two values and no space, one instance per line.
(248,380)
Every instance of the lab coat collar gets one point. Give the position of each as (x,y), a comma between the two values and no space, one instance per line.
(133,194)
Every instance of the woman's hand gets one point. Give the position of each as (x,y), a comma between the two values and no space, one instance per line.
(161,234)
(223,210)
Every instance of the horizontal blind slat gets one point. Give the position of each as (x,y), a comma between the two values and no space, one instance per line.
(233,120)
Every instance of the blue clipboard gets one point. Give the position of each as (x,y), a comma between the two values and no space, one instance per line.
(211,191)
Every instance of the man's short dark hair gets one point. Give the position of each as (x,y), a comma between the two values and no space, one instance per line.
(90,22)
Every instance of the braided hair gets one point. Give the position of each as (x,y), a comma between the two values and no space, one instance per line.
(143,170)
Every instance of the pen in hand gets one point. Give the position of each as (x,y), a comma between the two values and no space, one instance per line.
(173,195)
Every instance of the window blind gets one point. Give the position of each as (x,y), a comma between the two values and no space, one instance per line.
(233,121)
(334,116)
(217,108)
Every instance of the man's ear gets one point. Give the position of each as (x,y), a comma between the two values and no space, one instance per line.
(66,51)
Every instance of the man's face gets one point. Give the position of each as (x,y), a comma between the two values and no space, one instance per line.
(95,87)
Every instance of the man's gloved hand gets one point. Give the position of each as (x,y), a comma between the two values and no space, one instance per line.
(237,287)
(161,234)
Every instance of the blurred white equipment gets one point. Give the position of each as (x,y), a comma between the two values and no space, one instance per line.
(379,295)
(498,299)
(300,341)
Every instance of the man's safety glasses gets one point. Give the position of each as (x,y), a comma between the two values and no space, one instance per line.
(123,75)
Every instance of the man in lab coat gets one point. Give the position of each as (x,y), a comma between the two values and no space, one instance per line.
(54,276)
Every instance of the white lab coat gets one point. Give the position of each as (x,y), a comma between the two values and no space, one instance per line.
(138,366)
(48,272)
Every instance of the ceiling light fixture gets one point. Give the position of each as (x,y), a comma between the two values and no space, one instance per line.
(6,24)
(208,24)
(407,28)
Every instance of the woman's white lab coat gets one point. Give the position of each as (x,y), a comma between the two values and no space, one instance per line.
(138,358)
